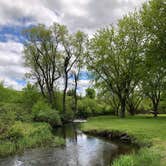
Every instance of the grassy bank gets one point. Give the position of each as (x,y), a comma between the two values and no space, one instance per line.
(21,136)
(145,129)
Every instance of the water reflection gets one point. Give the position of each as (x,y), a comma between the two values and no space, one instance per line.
(80,150)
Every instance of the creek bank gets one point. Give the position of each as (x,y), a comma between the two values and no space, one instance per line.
(115,135)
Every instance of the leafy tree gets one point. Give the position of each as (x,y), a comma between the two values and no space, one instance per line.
(90,93)
(42,57)
(73,50)
(134,101)
(153,16)
(115,58)
(80,44)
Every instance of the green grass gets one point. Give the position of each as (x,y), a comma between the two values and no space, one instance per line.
(21,136)
(145,128)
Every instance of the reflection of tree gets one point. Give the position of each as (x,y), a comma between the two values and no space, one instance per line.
(75,133)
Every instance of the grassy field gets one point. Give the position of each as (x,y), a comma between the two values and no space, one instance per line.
(21,136)
(145,129)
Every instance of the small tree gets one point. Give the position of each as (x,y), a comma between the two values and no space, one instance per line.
(90,93)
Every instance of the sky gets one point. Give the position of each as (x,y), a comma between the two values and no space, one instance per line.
(85,15)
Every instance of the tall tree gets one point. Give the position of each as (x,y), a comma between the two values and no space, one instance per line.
(153,16)
(80,45)
(72,49)
(42,57)
(115,57)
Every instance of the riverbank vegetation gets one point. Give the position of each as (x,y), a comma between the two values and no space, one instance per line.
(21,136)
(149,133)
(126,64)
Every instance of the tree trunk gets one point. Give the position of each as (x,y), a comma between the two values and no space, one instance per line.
(64,93)
(132,110)
(75,95)
(155,109)
(123,108)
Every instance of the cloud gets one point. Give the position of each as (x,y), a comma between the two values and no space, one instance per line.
(12,12)
(11,63)
(85,15)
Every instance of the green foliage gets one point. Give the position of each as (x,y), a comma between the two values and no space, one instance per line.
(150,132)
(21,113)
(69,114)
(90,93)
(90,107)
(15,132)
(42,112)
(27,135)
(9,94)
(162,106)
(117,63)
(6,121)
(30,95)
(145,157)
(153,17)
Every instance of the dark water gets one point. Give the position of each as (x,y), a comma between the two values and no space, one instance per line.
(80,150)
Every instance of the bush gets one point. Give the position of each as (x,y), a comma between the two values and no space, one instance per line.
(21,114)
(30,96)
(6,121)
(42,112)
(27,135)
(68,116)
(90,107)
(15,132)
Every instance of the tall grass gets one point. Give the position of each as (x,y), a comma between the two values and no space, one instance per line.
(145,157)
(27,135)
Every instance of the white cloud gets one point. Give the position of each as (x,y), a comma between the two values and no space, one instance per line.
(11,63)
(87,15)
(9,82)
(11,12)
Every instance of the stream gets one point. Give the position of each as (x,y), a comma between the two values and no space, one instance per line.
(79,150)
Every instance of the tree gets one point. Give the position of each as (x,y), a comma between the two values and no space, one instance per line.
(115,58)
(80,44)
(90,93)
(134,101)
(42,57)
(153,16)
(104,95)
(73,47)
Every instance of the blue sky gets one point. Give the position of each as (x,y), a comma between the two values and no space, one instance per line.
(85,15)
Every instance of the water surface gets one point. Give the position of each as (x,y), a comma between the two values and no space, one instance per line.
(79,150)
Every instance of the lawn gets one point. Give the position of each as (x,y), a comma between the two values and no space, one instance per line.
(145,129)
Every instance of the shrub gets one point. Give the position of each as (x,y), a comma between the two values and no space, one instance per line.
(30,96)
(27,135)
(21,114)
(6,121)
(42,112)
(15,132)
(68,116)
(91,107)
